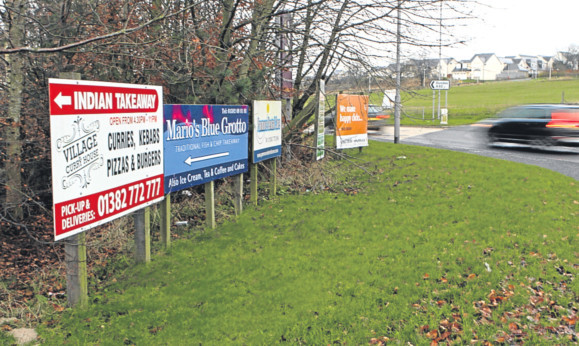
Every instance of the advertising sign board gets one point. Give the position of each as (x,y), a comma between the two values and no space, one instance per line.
(204,143)
(107,152)
(266,130)
(320,138)
(351,121)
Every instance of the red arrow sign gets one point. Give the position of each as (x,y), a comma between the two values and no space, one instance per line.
(86,97)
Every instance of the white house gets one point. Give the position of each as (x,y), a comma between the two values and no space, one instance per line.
(514,68)
(461,70)
(550,61)
(446,66)
(486,67)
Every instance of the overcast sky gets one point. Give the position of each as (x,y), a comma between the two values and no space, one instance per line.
(511,27)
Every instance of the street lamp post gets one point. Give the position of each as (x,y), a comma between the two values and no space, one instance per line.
(397,99)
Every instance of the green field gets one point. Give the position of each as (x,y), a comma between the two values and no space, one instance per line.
(412,245)
(472,102)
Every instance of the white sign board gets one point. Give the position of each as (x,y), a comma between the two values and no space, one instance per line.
(266,130)
(107,151)
(440,85)
(388,101)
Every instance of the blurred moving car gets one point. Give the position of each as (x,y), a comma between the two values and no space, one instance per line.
(377,116)
(535,125)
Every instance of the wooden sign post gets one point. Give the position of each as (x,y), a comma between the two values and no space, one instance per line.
(210,204)
(166,221)
(238,194)
(253,183)
(273,179)
(143,235)
(75,254)
(76,272)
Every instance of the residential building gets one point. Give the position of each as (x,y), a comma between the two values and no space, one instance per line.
(485,67)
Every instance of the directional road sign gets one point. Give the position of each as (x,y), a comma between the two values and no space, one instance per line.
(440,85)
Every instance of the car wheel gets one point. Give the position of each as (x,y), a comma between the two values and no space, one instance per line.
(543,142)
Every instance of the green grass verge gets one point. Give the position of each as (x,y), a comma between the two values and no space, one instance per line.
(5,339)
(398,254)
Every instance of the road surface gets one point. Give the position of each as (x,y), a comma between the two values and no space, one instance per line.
(470,139)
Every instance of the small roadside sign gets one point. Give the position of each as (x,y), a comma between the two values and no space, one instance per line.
(320,128)
(351,121)
(266,130)
(444,116)
(440,85)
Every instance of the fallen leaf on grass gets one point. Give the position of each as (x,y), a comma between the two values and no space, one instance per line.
(381,341)
(155,330)
(571,321)
(433,334)
(513,327)
(57,307)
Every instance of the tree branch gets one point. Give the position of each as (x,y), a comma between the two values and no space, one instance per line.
(84,42)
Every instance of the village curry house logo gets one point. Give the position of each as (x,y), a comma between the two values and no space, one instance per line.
(81,153)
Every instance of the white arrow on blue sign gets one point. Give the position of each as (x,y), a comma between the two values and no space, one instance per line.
(440,85)
(190,159)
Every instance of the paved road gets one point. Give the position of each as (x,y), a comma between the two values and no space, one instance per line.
(470,139)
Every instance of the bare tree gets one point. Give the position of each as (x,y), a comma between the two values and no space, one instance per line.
(571,58)
(361,35)
(201,51)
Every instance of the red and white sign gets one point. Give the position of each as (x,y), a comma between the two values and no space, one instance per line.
(107,151)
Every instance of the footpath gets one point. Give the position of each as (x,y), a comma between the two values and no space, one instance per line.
(387,132)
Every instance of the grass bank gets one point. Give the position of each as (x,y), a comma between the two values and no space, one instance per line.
(416,245)
(469,103)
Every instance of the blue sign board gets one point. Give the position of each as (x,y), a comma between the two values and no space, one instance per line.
(204,143)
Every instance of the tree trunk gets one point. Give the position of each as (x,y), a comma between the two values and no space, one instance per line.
(261,15)
(12,134)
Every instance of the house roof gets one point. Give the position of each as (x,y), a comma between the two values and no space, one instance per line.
(506,60)
(483,56)
(515,67)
